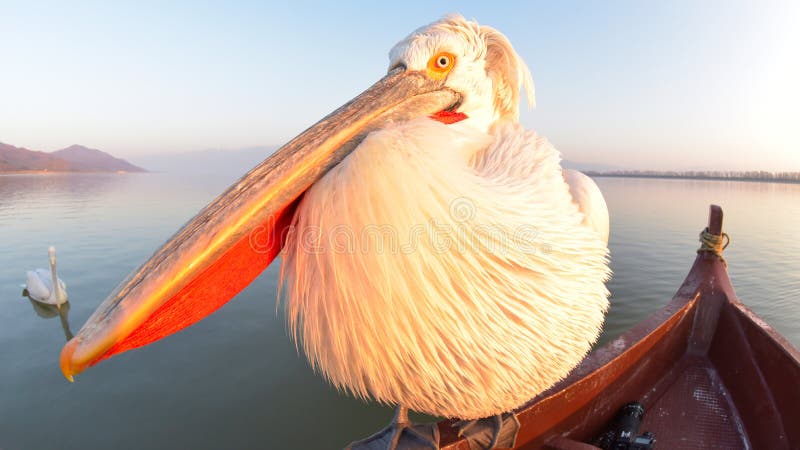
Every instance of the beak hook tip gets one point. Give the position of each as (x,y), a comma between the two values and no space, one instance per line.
(66,360)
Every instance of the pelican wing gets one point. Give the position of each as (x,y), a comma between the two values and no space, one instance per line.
(39,284)
(590,201)
(40,287)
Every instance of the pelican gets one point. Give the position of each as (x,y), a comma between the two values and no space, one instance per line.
(435,254)
(44,286)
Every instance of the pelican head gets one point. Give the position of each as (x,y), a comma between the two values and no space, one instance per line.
(51,253)
(467,333)
(476,61)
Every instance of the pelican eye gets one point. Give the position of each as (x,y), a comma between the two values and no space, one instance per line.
(441,64)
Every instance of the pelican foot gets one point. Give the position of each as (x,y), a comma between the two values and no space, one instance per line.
(401,434)
(498,431)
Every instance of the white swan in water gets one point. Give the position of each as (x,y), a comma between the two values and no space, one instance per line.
(44,286)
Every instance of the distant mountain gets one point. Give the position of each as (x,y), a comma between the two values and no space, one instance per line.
(15,159)
(71,159)
(203,162)
(91,160)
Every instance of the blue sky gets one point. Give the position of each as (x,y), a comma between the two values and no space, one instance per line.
(667,85)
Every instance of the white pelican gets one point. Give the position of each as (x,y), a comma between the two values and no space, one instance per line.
(44,286)
(436,255)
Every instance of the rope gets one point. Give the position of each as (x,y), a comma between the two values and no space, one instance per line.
(714,243)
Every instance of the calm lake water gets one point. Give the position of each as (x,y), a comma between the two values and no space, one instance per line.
(235,380)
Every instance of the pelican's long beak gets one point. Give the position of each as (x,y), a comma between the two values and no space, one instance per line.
(233,239)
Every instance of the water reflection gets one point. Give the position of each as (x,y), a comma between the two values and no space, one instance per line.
(46,311)
(73,192)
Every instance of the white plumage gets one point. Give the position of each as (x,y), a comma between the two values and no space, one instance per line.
(590,201)
(449,268)
(44,286)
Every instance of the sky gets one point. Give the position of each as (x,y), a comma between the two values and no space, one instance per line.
(634,85)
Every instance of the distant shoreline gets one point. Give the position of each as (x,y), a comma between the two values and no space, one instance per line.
(692,177)
(662,176)
(65,172)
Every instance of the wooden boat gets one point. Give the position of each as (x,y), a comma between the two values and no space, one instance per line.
(710,373)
